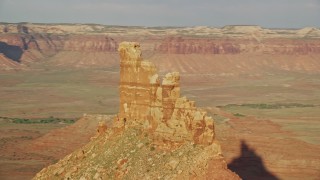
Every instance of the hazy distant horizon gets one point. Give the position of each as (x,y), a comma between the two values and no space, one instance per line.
(64,23)
(289,14)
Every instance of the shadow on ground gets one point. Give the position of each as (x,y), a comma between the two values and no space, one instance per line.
(249,165)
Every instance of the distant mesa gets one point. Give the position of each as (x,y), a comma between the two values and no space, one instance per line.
(71,45)
(242,28)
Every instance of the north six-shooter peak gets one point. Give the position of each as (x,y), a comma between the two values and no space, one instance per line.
(156,105)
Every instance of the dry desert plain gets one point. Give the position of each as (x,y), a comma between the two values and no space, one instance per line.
(261,86)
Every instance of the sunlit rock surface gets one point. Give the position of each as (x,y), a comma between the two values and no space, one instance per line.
(156,135)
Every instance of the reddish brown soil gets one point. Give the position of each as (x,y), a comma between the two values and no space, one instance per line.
(24,153)
(281,158)
(257,149)
(253,148)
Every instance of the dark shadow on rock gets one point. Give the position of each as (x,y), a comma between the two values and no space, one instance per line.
(24,42)
(23,29)
(10,51)
(249,165)
(5,29)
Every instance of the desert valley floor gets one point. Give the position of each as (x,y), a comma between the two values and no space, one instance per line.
(263,91)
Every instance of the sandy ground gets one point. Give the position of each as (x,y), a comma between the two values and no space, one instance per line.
(270,143)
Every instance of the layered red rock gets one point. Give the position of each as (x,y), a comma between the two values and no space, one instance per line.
(95,46)
(71,50)
(90,43)
(152,117)
(158,106)
(52,43)
(209,45)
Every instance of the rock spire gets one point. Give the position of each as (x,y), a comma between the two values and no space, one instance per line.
(157,105)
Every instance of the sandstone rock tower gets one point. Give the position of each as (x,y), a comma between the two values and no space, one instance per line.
(158,106)
(156,135)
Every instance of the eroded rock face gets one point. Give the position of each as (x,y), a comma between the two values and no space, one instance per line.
(90,43)
(158,106)
(162,135)
(180,45)
(280,46)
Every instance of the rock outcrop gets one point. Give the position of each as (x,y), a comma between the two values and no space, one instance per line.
(158,106)
(242,45)
(90,43)
(27,46)
(156,135)
(182,45)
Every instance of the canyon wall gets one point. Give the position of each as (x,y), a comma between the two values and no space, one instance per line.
(187,50)
(187,45)
(22,50)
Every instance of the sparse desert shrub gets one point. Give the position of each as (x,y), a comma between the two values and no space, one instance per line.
(269,106)
(238,115)
(41,121)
